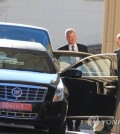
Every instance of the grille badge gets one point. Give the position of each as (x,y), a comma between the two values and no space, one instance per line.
(16,92)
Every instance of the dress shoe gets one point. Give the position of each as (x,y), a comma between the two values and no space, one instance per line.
(77,129)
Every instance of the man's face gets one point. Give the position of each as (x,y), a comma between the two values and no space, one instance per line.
(71,38)
(118,42)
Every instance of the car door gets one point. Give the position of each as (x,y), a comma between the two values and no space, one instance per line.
(93,92)
(64,59)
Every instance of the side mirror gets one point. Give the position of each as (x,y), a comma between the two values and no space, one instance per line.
(72,73)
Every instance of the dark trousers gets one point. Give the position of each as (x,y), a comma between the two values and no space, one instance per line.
(70,123)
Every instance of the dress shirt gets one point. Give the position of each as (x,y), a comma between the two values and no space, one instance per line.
(75,47)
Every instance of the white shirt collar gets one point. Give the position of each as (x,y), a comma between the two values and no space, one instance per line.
(75,47)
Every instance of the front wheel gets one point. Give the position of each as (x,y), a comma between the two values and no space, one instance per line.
(58,130)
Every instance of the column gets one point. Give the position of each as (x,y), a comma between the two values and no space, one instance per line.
(111,25)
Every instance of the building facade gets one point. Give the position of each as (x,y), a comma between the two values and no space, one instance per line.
(85,16)
(111,25)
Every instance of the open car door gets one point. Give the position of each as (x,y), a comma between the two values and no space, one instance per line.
(64,59)
(91,83)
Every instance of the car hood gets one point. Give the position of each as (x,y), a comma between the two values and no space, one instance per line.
(26,76)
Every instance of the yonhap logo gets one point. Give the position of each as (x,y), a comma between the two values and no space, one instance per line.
(93,121)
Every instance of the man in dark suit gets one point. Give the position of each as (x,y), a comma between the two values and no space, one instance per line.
(117,42)
(73,46)
(115,128)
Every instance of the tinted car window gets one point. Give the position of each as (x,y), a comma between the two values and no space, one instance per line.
(99,67)
(19,59)
(68,58)
(66,61)
(26,34)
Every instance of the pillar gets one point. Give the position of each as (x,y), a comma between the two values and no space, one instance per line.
(111,25)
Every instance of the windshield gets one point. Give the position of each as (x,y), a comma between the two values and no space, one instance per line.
(26,34)
(26,60)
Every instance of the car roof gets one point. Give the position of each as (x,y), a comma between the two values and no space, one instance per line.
(21,45)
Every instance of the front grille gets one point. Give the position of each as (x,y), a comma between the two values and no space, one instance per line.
(22,93)
(9,114)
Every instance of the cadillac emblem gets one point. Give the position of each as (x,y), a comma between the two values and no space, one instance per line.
(16,92)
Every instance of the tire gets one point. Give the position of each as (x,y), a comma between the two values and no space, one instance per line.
(59,130)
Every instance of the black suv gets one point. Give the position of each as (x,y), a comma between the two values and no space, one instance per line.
(31,91)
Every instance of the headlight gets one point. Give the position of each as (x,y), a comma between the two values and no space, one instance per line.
(59,94)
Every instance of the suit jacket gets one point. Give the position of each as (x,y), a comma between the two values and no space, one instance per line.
(116,128)
(81,48)
(116,51)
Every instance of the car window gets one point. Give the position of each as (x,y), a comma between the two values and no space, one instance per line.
(64,59)
(26,60)
(26,34)
(99,67)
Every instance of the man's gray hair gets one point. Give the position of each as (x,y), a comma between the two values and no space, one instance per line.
(118,36)
(69,30)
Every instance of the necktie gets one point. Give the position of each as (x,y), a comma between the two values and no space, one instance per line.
(73,60)
(73,49)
